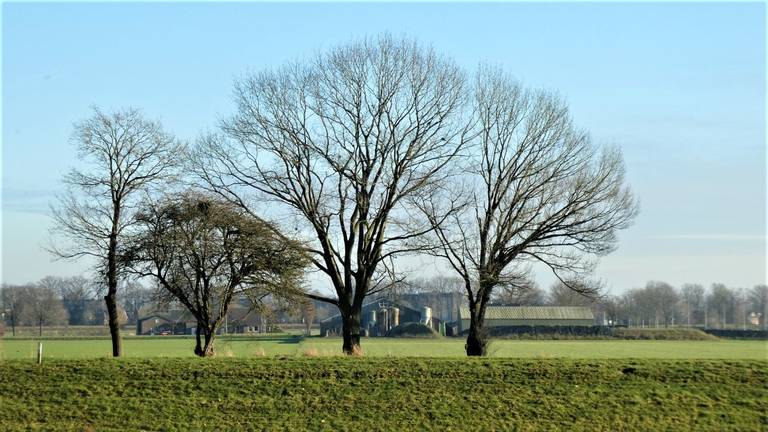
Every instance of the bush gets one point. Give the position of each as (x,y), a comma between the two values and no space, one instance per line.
(413,330)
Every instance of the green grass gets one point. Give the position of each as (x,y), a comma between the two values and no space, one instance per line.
(338,394)
(248,347)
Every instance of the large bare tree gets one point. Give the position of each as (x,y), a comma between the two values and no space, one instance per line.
(340,141)
(536,190)
(123,155)
(204,251)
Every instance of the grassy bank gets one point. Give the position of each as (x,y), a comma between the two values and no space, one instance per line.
(249,347)
(383,394)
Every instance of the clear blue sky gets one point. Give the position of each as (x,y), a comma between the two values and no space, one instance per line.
(680,87)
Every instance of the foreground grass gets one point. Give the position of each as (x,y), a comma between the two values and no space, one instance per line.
(144,347)
(383,394)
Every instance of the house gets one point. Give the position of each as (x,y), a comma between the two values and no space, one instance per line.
(508,316)
(379,316)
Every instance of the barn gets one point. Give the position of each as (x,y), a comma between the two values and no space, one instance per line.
(381,315)
(508,316)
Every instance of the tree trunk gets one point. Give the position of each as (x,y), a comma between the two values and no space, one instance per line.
(111,297)
(114,325)
(204,346)
(477,340)
(350,319)
(198,343)
(40,328)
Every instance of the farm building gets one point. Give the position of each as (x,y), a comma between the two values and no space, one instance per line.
(379,316)
(180,321)
(507,316)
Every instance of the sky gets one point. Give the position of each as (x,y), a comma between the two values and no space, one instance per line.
(680,88)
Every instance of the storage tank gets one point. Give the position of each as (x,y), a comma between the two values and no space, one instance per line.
(395,317)
(383,320)
(426,316)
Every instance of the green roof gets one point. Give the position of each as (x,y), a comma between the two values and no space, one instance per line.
(533,313)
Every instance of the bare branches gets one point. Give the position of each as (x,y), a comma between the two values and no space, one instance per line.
(342,141)
(537,191)
(123,154)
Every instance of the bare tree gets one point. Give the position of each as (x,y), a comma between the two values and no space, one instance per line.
(308,316)
(758,296)
(75,292)
(538,190)
(135,297)
(515,295)
(203,251)
(123,155)
(564,294)
(721,303)
(43,306)
(692,296)
(12,304)
(340,142)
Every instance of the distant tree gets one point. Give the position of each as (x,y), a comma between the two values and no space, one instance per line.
(124,155)
(665,300)
(308,316)
(135,296)
(75,292)
(203,251)
(692,297)
(12,305)
(537,190)
(530,295)
(721,305)
(561,293)
(609,308)
(42,306)
(758,297)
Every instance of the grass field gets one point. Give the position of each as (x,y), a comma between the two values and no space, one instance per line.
(373,394)
(247,347)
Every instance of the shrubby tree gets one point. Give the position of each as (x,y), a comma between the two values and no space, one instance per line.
(341,141)
(124,155)
(204,251)
(537,190)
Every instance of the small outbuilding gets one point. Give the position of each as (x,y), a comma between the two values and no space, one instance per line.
(510,316)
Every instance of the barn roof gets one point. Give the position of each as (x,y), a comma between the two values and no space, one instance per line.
(532,313)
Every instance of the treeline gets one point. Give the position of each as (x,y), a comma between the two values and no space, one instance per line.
(54,301)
